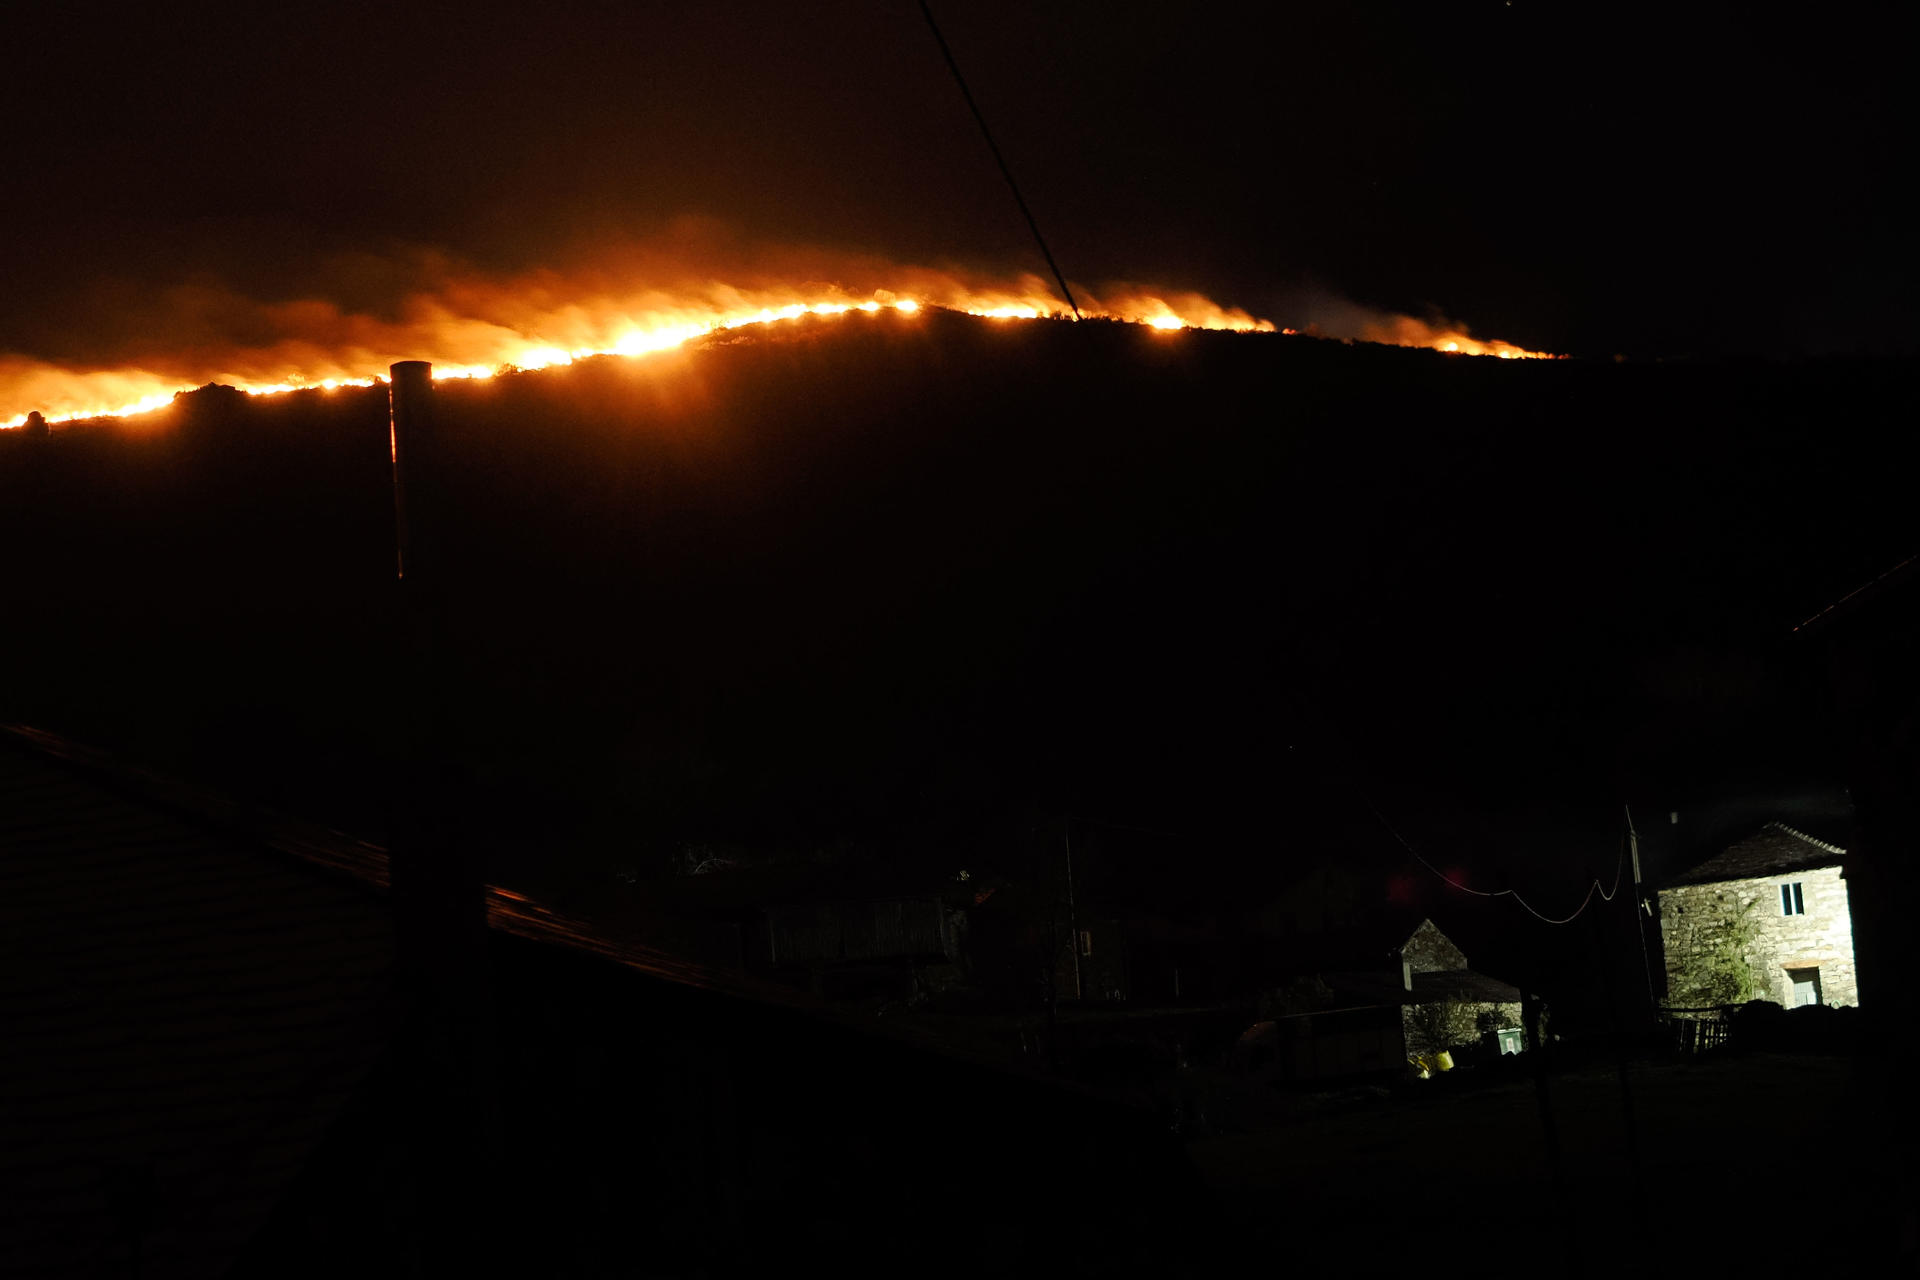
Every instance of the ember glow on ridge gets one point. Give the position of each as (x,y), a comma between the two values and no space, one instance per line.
(66,395)
(477,328)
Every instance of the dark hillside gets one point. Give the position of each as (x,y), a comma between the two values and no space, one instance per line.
(898,579)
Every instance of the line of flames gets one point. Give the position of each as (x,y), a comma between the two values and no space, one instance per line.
(1151,312)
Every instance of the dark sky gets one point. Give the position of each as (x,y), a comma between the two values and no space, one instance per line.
(1581,178)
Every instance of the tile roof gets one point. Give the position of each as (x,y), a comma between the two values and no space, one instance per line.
(1773,850)
(1350,989)
(1462,984)
(1354,988)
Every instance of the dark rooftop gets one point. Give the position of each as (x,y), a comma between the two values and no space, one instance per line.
(1773,850)
(185,1019)
(1461,984)
(198,999)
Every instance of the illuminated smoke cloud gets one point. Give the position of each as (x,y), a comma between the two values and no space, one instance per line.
(1330,316)
(631,298)
(626,299)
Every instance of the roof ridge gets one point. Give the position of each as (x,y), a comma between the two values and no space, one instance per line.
(1801,835)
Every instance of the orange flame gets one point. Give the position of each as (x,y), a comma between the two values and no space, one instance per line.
(474,329)
(1405,331)
(472,326)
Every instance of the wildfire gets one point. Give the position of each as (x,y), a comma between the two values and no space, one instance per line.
(1405,331)
(471,327)
(484,343)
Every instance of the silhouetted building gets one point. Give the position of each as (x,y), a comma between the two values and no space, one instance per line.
(200,1081)
(860,945)
(1867,642)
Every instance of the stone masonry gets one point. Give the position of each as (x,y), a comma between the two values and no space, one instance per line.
(1450,1024)
(1445,1013)
(1713,929)
(1430,950)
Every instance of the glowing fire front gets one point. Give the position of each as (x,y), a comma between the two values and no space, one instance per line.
(1405,331)
(479,330)
(462,346)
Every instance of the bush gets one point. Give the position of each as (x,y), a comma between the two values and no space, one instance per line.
(1758,1024)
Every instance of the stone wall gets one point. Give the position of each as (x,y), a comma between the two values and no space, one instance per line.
(1729,942)
(1431,951)
(1449,1024)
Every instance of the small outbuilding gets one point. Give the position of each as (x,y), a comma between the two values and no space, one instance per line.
(1373,997)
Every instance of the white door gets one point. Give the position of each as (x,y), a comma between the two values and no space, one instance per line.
(1806,986)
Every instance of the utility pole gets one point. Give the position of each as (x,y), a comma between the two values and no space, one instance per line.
(1629,1122)
(1573,1260)
(1641,910)
(1073,914)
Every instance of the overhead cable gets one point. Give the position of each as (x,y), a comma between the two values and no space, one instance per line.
(999,159)
(1605,894)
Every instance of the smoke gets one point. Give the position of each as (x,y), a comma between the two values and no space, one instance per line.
(351,316)
(110,348)
(1328,315)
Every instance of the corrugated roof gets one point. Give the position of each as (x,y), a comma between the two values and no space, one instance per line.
(1775,849)
(186,1013)
(206,812)
(189,1018)
(183,1019)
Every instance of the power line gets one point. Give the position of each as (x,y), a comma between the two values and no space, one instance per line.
(1865,586)
(1605,894)
(998,159)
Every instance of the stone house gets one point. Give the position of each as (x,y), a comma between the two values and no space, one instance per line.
(1451,1005)
(1375,995)
(1764,919)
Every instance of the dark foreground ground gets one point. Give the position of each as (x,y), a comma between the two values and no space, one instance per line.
(1758,1159)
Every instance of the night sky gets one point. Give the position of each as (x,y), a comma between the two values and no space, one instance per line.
(1580,178)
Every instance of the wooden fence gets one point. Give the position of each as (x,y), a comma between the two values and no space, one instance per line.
(1698,1030)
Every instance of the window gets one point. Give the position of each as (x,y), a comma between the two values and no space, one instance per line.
(1086,942)
(1806,986)
(1791,901)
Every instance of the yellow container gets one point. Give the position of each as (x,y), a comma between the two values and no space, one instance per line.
(1443,1061)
